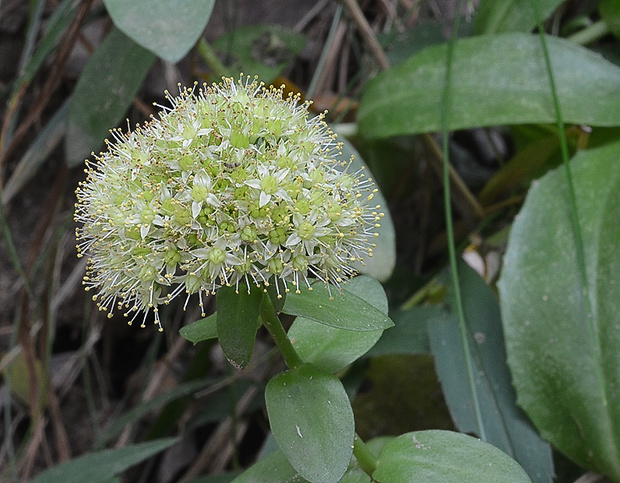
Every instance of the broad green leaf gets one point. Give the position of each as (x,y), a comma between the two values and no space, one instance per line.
(168,28)
(101,466)
(261,50)
(202,329)
(342,310)
(564,361)
(493,17)
(103,93)
(504,424)
(381,264)
(330,348)
(312,421)
(445,456)
(496,80)
(237,322)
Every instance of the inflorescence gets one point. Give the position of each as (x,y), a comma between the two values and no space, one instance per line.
(232,185)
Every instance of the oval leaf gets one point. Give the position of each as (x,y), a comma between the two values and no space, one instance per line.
(103,93)
(237,322)
(202,329)
(565,362)
(312,421)
(341,310)
(497,79)
(168,28)
(445,456)
(332,349)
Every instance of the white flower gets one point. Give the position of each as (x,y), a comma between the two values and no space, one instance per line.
(232,185)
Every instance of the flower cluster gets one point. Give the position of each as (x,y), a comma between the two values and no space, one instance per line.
(233,185)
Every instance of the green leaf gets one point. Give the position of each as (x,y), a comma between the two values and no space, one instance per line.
(168,28)
(200,330)
(381,264)
(103,93)
(340,310)
(565,362)
(504,424)
(494,17)
(312,421)
(330,348)
(445,456)
(409,334)
(261,50)
(55,27)
(274,468)
(497,79)
(102,466)
(237,323)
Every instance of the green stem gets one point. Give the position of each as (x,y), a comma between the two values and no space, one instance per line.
(458,299)
(211,59)
(365,459)
(590,33)
(274,326)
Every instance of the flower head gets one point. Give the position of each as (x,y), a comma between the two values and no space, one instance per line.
(232,185)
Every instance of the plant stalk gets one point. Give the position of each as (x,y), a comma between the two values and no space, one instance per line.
(274,327)
(365,459)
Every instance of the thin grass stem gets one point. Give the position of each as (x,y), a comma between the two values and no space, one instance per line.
(458,299)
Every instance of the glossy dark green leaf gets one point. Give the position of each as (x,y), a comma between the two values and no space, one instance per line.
(493,17)
(330,348)
(342,310)
(168,28)
(503,424)
(312,421)
(202,329)
(237,322)
(565,361)
(445,456)
(101,466)
(103,93)
(496,80)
